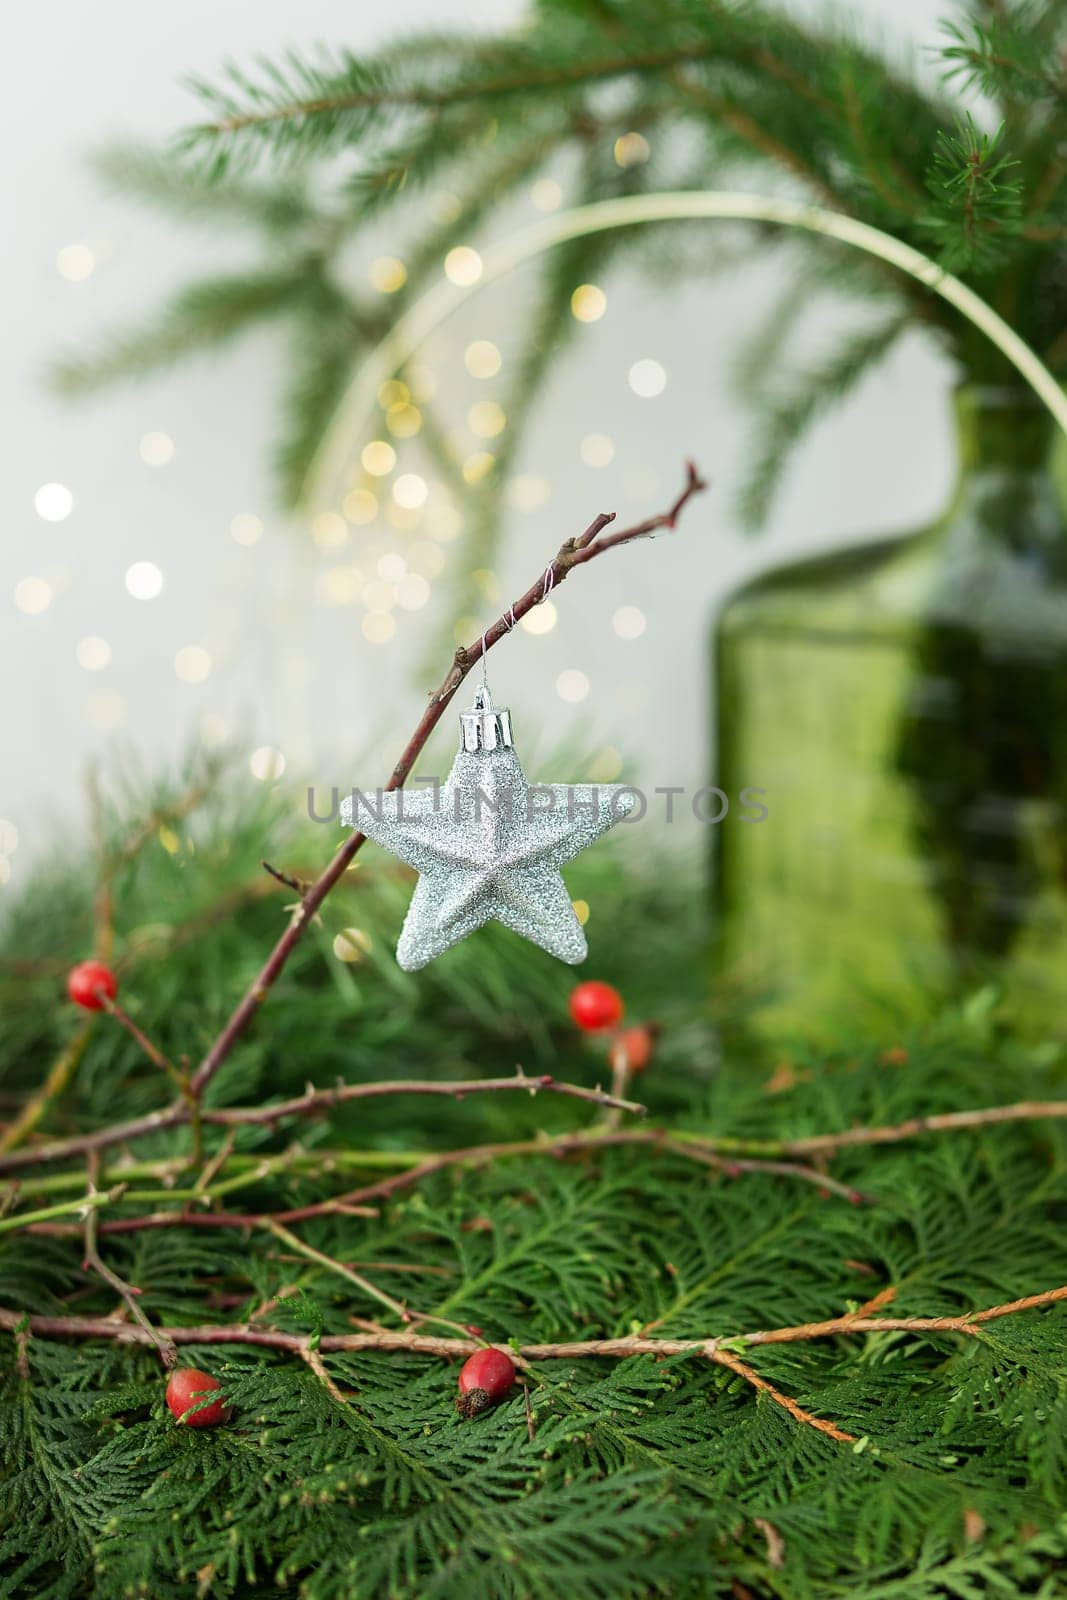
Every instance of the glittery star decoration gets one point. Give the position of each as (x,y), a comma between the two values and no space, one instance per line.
(488,845)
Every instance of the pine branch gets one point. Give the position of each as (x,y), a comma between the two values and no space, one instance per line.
(788,415)
(978,205)
(888,177)
(736,116)
(208,314)
(550,328)
(745,86)
(442,140)
(325,343)
(278,207)
(331,104)
(1009,55)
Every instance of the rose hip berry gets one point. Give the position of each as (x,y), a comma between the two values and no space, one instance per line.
(596,1006)
(483,1380)
(89,982)
(634,1047)
(186,1388)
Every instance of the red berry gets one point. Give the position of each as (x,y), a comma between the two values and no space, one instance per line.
(186,1388)
(633,1047)
(484,1379)
(88,982)
(596,1006)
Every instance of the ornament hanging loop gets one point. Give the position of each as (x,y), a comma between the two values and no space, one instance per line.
(483,727)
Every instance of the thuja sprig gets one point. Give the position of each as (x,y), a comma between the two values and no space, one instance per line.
(94,1214)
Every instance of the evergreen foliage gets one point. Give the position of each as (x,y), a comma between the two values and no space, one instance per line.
(643,1477)
(311,152)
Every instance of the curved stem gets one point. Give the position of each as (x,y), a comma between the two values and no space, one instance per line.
(438,304)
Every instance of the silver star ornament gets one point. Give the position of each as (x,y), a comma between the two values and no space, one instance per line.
(486,844)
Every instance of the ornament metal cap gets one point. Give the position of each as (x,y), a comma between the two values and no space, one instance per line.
(483,728)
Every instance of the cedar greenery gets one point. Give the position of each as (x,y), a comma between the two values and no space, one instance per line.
(348,1474)
(311,152)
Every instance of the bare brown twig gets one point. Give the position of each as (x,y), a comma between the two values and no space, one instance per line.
(138,1035)
(726,1358)
(286,878)
(733,1166)
(22,1349)
(306,1104)
(309,1353)
(351,1203)
(166,1346)
(735,1150)
(313,1100)
(212,1167)
(721,1350)
(574,552)
(731,1153)
(938,1122)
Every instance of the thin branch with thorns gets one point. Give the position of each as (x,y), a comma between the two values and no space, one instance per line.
(723,1351)
(726,1153)
(572,553)
(310,1103)
(353,1202)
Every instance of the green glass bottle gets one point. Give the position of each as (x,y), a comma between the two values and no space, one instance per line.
(904,707)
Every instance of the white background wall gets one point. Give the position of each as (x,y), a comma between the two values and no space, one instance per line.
(286,670)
